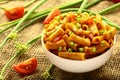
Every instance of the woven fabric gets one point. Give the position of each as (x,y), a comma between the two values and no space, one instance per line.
(109,71)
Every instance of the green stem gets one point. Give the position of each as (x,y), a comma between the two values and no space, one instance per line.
(28,4)
(8,27)
(113,7)
(82,6)
(21,21)
(8,62)
(30,42)
(50,68)
(92,3)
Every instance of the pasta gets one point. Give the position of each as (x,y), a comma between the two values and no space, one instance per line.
(78,36)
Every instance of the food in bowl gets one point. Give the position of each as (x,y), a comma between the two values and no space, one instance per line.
(78,36)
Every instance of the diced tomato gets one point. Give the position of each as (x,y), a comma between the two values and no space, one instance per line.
(57,38)
(27,67)
(14,13)
(51,15)
(90,21)
(116,1)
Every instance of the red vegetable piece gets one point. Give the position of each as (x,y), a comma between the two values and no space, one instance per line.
(90,21)
(14,13)
(116,1)
(51,15)
(57,39)
(27,67)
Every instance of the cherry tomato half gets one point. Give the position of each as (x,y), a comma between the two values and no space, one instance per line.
(14,13)
(51,15)
(116,1)
(27,67)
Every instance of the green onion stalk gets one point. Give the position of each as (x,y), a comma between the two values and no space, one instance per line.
(14,31)
(20,49)
(111,8)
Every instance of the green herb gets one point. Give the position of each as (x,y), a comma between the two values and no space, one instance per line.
(72,43)
(81,50)
(70,49)
(108,9)
(46,74)
(60,48)
(70,33)
(20,23)
(94,49)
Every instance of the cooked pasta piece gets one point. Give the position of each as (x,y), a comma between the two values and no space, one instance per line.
(94,29)
(58,32)
(110,34)
(71,26)
(50,45)
(97,49)
(80,40)
(97,39)
(72,55)
(52,26)
(74,47)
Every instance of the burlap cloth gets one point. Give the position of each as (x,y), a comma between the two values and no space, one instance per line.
(109,71)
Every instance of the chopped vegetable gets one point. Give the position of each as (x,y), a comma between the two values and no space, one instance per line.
(72,43)
(102,43)
(116,1)
(26,67)
(57,39)
(14,13)
(94,49)
(70,49)
(60,49)
(51,15)
(78,25)
(81,49)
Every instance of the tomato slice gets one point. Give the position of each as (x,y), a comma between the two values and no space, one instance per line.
(27,67)
(14,13)
(90,21)
(51,15)
(57,39)
(116,1)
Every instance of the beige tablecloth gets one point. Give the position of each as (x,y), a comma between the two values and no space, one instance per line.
(109,71)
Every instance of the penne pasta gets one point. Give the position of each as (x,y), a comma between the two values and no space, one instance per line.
(72,55)
(50,45)
(58,32)
(97,39)
(79,40)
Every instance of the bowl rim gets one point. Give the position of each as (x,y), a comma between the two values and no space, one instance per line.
(77,60)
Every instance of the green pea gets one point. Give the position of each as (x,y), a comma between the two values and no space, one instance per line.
(60,48)
(70,50)
(81,49)
(94,49)
(72,43)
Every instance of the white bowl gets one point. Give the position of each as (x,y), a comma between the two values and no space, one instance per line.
(78,66)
